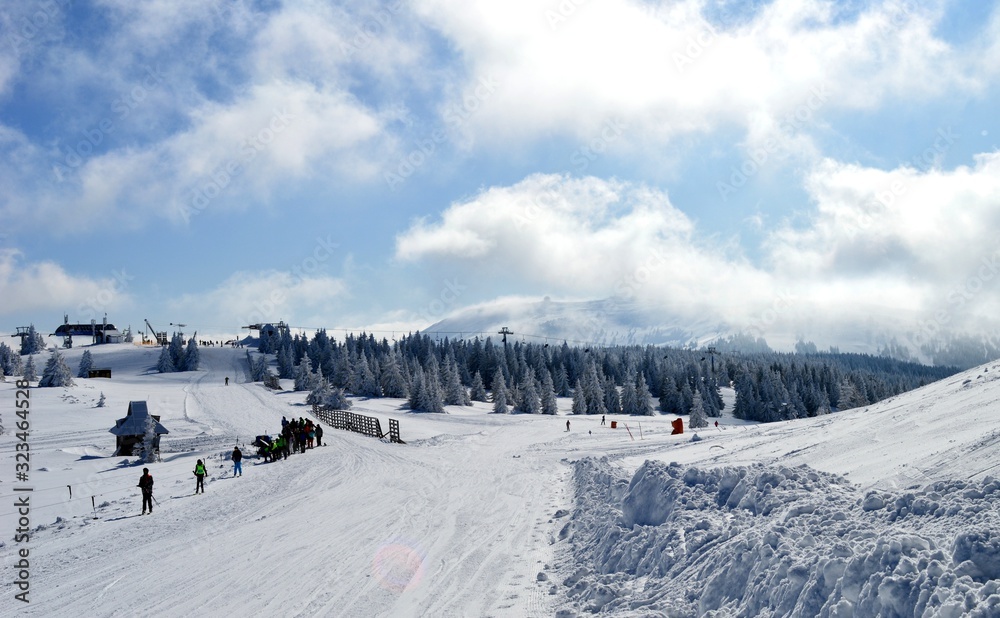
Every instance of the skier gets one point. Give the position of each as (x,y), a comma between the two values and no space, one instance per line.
(567,425)
(146,485)
(319,435)
(227,380)
(199,473)
(602,419)
(237,462)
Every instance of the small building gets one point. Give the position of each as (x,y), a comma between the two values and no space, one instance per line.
(99,373)
(131,430)
(98,332)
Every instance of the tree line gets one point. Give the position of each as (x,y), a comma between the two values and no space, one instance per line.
(528,377)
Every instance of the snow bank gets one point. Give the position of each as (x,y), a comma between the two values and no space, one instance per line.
(778,541)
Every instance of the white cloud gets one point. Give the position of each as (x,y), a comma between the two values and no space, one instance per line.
(583,237)
(987,47)
(884,248)
(233,154)
(281,111)
(666,70)
(923,242)
(264,296)
(281,130)
(47,286)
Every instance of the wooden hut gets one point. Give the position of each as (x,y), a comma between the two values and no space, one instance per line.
(131,430)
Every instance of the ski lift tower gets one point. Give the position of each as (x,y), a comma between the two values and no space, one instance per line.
(268,329)
(179,332)
(505,331)
(271,328)
(22,332)
(712,352)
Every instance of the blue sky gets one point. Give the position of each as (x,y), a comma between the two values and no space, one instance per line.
(801,166)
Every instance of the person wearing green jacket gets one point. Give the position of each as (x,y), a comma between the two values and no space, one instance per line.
(199,473)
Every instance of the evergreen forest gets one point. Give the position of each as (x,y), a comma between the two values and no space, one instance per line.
(526,377)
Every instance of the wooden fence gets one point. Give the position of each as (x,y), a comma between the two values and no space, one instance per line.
(358,423)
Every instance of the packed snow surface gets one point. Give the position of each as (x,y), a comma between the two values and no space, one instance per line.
(889,510)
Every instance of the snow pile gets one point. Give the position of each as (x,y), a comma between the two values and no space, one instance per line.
(771,540)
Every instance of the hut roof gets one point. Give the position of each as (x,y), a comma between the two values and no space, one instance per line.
(134,423)
(85,329)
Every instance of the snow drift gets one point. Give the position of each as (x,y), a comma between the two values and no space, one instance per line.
(770,540)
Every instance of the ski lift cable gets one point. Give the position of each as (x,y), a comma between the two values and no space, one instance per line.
(439,333)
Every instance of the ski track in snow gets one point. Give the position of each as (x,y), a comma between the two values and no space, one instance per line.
(503,515)
(356,528)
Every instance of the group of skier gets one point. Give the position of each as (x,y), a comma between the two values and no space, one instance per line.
(296,436)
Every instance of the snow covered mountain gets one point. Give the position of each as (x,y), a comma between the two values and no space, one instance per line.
(598,322)
(614,321)
(886,510)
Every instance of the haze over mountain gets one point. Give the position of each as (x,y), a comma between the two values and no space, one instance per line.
(628,322)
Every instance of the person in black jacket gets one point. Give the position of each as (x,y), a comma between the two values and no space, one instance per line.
(146,485)
(319,435)
(237,462)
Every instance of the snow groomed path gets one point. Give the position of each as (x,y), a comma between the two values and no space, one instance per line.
(458,524)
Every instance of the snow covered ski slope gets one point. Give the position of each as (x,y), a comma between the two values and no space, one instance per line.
(503,515)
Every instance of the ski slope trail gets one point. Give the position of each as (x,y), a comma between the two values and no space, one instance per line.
(239,410)
(480,514)
(458,522)
(356,528)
